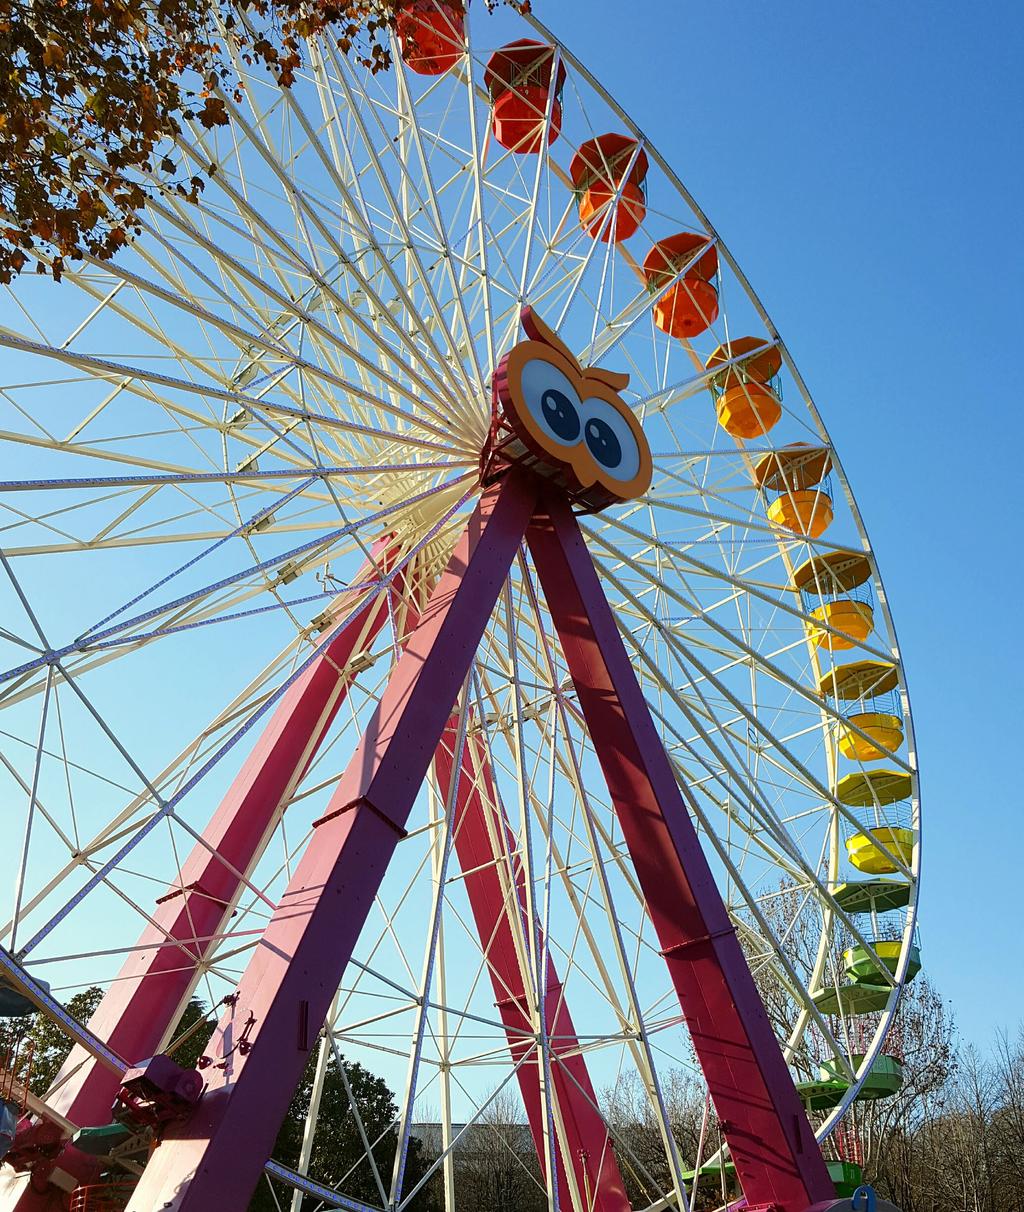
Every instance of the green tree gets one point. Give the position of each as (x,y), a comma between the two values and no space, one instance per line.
(43,1040)
(49,1044)
(339,1157)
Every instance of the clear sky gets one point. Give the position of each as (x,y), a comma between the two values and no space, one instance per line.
(864,163)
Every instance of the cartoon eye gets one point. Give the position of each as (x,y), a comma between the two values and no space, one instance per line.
(610,439)
(553,402)
(561,414)
(603,444)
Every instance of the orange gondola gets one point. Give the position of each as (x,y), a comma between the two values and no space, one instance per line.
(753,360)
(748,410)
(690,304)
(524,87)
(608,176)
(747,405)
(432,34)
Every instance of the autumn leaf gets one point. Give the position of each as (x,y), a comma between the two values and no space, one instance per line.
(89,107)
(53,55)
(213,113)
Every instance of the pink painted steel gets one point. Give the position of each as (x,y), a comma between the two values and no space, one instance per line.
(144,1003)
(261,1046)
(776,1156)
(483,843)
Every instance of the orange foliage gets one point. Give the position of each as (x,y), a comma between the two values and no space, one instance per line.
(92,93)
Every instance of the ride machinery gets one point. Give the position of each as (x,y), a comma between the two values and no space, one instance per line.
(583,778)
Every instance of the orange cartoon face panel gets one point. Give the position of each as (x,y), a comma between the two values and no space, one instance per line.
(571,419)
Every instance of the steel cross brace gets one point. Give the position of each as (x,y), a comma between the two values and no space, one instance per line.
(214,1159)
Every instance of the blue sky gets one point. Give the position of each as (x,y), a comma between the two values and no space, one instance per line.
(864,164)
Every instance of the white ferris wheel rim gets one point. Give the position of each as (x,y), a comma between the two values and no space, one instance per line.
(232,399)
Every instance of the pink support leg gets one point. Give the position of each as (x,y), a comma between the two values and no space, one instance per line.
(261,1046)
(776,1156)
(146,1000)
(483,843)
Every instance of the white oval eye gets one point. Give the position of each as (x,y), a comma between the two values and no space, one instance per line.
(610,439)
(553,402)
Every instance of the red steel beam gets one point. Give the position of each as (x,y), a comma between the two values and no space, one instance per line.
(483,843)
(261,1046)
(143,1004)
(771,1143)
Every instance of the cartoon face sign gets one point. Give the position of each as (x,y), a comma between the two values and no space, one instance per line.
(572,418)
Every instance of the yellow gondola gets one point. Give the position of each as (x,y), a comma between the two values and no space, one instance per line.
(792,480)
(873,850)
(835,591)
(871,686)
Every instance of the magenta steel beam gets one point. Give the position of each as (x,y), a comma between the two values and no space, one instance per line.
(777,1159)
(145,1000)
(262,1044)
(484,844)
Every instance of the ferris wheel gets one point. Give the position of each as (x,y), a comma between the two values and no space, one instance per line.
(437,632)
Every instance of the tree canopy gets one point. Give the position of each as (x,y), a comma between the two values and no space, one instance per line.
(93,93)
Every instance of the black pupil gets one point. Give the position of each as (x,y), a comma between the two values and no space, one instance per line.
(560,413)
(603,444)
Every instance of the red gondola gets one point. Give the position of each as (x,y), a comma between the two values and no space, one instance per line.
(690,304)
(524,86)
(432,35)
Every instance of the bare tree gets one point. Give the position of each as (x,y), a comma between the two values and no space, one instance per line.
(496,1163)
(637,1132)
(890,1131)
(1009,1077)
